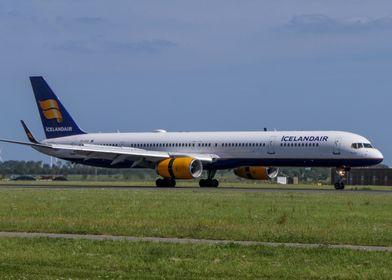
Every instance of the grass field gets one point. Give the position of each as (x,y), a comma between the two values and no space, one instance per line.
(68,259)
(328,218)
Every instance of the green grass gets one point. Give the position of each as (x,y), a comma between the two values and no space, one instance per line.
(328,218)
(82,259)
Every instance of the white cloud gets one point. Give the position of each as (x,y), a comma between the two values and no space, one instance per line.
(96,45)
(325,24)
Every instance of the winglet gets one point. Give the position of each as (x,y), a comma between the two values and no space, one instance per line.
(28,133)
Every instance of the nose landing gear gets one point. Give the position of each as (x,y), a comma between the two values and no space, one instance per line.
(339,179)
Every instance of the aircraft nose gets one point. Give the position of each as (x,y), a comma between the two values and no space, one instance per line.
(378,156)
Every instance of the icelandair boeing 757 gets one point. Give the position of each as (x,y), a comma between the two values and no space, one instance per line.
(184,155)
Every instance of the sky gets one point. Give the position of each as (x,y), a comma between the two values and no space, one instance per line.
(182,65)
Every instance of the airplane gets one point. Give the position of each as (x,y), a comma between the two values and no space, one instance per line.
(184,155)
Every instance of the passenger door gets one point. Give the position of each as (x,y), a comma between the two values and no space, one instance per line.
(271,146)
(336,147)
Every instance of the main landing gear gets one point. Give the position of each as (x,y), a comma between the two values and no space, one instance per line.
(339,179)
(210,182)
(165,183)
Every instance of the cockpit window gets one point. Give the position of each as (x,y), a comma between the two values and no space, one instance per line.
(361,145)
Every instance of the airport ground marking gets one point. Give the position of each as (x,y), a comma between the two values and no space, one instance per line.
(192,241)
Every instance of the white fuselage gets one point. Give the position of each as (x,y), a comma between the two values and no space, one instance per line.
(235,149)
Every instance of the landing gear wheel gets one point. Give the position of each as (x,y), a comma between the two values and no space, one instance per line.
(165,183)
(215,183)
(209,183)
(172,183)
(339,186)
(159,183)
(203,183)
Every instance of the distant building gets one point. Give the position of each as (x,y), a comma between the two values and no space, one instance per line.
(366,177)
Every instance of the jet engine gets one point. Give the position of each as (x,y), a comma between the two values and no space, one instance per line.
(257,172)
(180,168)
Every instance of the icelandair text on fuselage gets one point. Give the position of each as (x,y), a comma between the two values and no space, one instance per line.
(304,138)
(58,129)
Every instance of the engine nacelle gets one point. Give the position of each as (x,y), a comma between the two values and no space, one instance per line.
(257,172)
(180,168)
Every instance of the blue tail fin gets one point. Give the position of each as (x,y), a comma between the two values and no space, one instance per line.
(55,118)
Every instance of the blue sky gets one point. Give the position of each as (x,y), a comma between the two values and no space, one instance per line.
(200,65)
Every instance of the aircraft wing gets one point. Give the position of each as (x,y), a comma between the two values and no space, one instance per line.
(97,151)
(116,154)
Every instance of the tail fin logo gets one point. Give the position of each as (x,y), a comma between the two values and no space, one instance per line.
(51,110)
